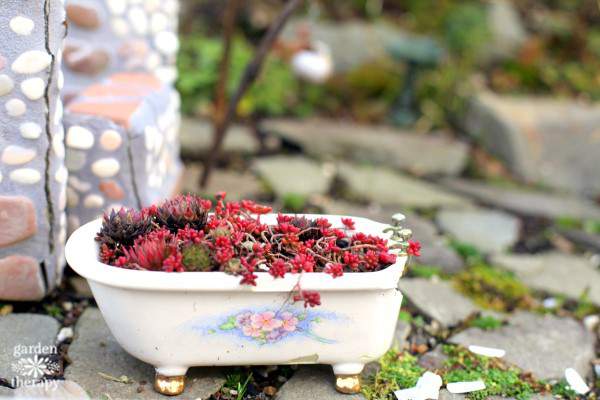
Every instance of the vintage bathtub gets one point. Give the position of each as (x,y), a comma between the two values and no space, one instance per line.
(177,320)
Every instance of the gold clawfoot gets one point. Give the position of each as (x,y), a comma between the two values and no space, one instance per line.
(169,385)
(347,384)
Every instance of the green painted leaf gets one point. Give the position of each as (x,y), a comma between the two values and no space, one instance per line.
(212,332)
(301,317)
(227,326)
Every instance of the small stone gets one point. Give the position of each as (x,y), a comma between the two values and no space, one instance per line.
(61,175)
(93,201)
(270,390)
(22,26)
(75,159)
(159,22)
(58,143)
(591,322)
(120,26)
(17,155)
(30,130)
(72,198)
(33,88)
(15,107)
(85,17)
(60,82)
(64,334)
(25,176)
(79,185)
(21,280)
(89,61)
(465,387)
(6,85)
(58,112)
(434,359)
(110,140)
(18,219)
(31,62)
(167,43)
(575,381)
(166,74)
(117,7)
(138,20)
(79,138)
(106,167)
(487,351)
(111,189)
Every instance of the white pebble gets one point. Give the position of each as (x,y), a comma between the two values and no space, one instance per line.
(79,138)
(591,322)
(487,351)
(465,387)
(93,201)
(120,26)
(167,43)
(166,74)
(33,88)
(106,167)
(80,186)
(31,62)
(60,81)
(62,199)
(6,85)
(575,381)
(138,20)
(58,112)
(72,198)
(30,130)
(58,144)
(152,61)
(159,22)
(64,334)
(22,26)
(117,7)
(110,140)
(15,107)
(550,302)
(17,155)
(61,175)
(25,176)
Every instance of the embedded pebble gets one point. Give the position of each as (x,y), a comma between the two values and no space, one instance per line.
(93,201)
(116,7)
(17,155)
(72,198)
(33,88)
(111,189)
(62,199)
(75,159)
(15,107)
(487,351)
(61,175)
(138,20)
(58,144)
(6,85)
(110,140)
(22,26)
(591,322)
(152,61)
(30,130)
(575,381)
(120,27)
(159,22)
(465,387)
(86,17)
(31,62)
(73,222)
(167,43)
(106,167)
(80,186)
(58,112)
(79,138)
(25,176)
(166,74)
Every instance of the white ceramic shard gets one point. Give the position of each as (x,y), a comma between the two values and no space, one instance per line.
(575,381)
(465,387)
(409,394)
(487,351)
(429,385)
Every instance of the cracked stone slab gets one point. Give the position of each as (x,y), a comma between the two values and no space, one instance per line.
(313,382)
(401,332)
(95,350)
(238,185)
(437,300)
(23,330)
(558,273)
(544,345)
(408,151)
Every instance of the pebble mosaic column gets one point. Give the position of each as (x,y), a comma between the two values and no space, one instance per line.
(32,173)
(108,36)
(122,146)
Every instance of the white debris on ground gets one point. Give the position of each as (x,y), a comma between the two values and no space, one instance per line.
(314,66)
(64,334)
(465,387)
(575,381)
(487,351)
(428,387)
(550,302)
(591,322)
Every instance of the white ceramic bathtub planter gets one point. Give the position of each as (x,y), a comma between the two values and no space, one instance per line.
(174,321)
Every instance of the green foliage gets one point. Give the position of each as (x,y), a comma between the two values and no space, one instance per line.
(562,389)
(404,316)
(398,371)
(54,310)
(196,258)
(465,29)
(487,323)
(492,288)
(590,226)
(294,202)
(467,251)
(424,271)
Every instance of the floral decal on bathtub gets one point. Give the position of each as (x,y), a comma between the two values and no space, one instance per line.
(271,326)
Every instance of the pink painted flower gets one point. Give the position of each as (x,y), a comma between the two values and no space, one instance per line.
(265,321)
(249,330)
(289,321)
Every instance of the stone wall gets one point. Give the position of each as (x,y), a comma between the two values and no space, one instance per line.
(107,36)
(32,173)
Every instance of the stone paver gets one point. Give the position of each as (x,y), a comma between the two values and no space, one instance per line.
(437,300)
(491,231)
(402,331)
(238,185)
(525,201)
(387,187)
(418,154)
(23,330)
(582,238)
(89,357)
(313,382)
(544,345)
(557,273)
(64,390)
(196,136)
(542,140)
(293,175)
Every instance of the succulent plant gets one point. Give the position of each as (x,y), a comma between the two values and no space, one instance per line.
(122,228)
(196,258)
(303,223)
(180,212)
(150,253)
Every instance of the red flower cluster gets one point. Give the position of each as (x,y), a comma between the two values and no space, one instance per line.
(181,235)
